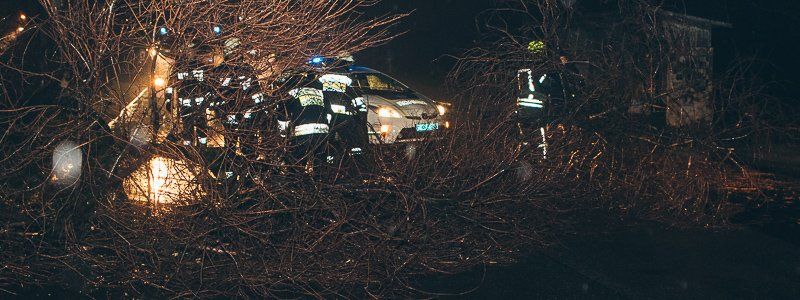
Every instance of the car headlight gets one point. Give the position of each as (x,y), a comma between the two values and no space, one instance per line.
(388,112)
(442,110)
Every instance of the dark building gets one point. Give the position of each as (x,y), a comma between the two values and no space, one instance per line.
(662,60)
(689,86)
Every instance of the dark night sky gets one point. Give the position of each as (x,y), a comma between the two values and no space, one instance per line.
(434,29)
(440,27)
(768,28)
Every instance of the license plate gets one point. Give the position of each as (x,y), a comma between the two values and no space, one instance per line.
(427,127)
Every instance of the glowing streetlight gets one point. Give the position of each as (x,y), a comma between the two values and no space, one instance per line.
(159,82)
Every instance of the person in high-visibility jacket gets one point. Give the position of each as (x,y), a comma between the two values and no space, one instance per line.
(348,112)
(531,110)
(219,107)
(546,99)
(305,116)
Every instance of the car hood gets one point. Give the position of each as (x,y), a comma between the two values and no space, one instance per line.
(410,107)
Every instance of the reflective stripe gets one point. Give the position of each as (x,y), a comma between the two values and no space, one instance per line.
(283,125)
(313,128)
(529,74)
(257,98)
(358,102)
(199,100)
(530,102)
(544,143)
(527,104)
(340,109)
(226,81)
(530,99)
(335,82)
(198,74)
(308,96)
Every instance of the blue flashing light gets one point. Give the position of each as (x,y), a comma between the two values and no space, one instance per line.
(317,60)
(162,31)
(217,30)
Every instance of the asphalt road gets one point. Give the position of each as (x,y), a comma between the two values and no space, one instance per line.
(644,261)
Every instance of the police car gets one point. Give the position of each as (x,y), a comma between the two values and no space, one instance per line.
(396,113)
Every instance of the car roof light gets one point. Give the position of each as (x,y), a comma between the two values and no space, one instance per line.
(317,60)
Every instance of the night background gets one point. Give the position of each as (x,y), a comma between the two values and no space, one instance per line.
(580,181)
(437,30)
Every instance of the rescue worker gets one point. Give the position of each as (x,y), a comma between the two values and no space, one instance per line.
(216,105)
(305,117)
(191,90)
(348,113)
(547,99)
(531,110)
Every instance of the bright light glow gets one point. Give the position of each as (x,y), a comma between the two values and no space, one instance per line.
(317,60)
(152,51)
(386,112)
(446,124)
(159,82)
(217,30)
(162,181)
(67,161)
(23,17)
(20,29)
(442,109)
(385,129)
(162,31)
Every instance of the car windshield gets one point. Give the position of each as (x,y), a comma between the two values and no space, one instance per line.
(381,85)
